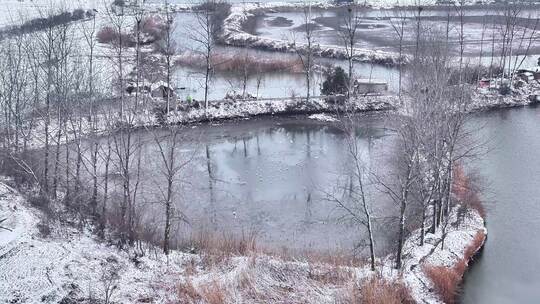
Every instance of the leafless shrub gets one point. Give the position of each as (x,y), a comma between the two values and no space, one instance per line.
(44,227)
(217,249)
(153,26)
(377,290)
(211,243)
(214,293)
(219,10)
(211,293)
(186,292)
(446,281)
(109,281)
(466,191)
(233,63)
(109,35)
(21,167)
(335,275)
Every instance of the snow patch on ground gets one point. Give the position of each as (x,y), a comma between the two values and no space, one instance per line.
(322,117)
(233,34)
(73,265)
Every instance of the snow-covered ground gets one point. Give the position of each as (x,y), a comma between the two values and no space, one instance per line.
(249,108)
(234,34)
(486,99)
(18,11)
(72,265)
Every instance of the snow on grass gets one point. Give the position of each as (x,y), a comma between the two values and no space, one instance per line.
(234,34)
(18,11)
(73,265)
(322,117)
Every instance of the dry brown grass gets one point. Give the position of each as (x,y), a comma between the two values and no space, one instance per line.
(234,63)
(214,293)
(187,293)
(466,191)
(377,290)
(473,247)
(225,243)
(217,249)
(210,293)
(447,280)
(333,274)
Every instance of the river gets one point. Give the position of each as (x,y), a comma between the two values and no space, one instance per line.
(508,269)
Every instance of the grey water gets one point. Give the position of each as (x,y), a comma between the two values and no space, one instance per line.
(277,84)
(507,270)
(270,176)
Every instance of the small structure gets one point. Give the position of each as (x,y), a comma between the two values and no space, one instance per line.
(132,87)
(233,95)
(369,86)
(484,83)
(160,89)
(528,74)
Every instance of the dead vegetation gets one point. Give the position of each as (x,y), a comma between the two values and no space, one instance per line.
(377,290)
(234,63)
(466,191)
(447,280)
(211,293)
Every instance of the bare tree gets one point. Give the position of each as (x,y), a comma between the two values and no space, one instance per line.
(306,50)
(168,149)
(167,47)
(119,25)
(204,33)
(348,34)
(399,28)
(356,205)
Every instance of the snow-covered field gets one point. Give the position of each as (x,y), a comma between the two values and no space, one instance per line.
(234,34)
(73,266)
(17,11)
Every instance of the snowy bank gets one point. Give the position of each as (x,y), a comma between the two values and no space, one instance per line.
(71,265)
(288,106)
(235,35)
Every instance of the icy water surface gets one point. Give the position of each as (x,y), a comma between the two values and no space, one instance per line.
(277,84)
(269,176)
(508,269)
(379,28)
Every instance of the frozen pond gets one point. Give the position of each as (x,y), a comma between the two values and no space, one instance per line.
(270,176)
(379,28)
(275,84)
(272,84)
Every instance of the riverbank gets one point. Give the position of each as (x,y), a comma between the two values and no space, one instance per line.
(153,113)
(69,264)
(234,34)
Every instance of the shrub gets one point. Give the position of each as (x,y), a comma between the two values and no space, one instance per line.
(107,34)
(477,242)
(377,290)
(465,190)
(505,89)
(153,26)
(78,14)
(219,11)
(211,293)
(336,82)
(446,281)
(44,228)
(233,63)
